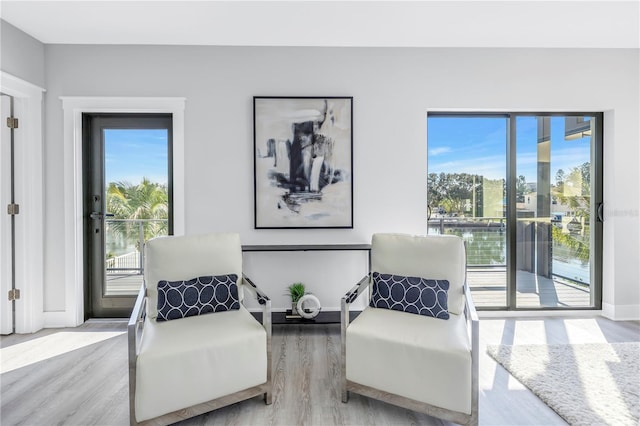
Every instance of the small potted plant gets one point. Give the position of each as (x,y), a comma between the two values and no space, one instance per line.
(296,291)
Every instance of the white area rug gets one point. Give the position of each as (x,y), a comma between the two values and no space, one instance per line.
(586,384)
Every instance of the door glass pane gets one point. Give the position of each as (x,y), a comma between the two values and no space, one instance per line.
(553,211)
(466,196)
(137,203)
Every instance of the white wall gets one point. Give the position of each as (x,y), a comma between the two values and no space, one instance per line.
(22,55)
(392,89)
(21,77)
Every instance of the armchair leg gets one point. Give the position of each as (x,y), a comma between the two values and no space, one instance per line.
(268,398)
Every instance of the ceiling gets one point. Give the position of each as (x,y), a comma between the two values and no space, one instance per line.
(431,23)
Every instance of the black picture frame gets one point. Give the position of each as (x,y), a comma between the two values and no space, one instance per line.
(303,162)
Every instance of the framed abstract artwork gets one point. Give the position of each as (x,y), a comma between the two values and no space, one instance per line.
(303,162)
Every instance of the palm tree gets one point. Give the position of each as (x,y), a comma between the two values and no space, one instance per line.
(147,200)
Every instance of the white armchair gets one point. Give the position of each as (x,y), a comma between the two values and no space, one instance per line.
(214,353)
(424,362)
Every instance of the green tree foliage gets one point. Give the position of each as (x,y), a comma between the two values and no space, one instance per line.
(521,189)
(452,190)
(579,249)
(560,177)
(455,191)
(574,189)
(146,200)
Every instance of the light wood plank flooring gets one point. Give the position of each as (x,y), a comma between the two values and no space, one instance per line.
(79,377)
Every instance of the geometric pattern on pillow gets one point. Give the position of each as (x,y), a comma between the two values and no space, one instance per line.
(197,296)
(410,294)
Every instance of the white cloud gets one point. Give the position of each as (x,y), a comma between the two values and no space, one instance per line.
(439,150)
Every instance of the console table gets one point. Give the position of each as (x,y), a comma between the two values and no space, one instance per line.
(323,316)
(305,247)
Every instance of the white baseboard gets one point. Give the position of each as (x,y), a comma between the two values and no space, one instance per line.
(57,320)
(585,313)
(621,312)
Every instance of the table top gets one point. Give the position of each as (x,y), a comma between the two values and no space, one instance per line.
(304,247)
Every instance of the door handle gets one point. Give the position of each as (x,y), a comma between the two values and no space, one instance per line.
(601,212)
(99,216)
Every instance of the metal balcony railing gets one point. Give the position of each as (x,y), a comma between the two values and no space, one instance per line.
(125,240)
(486,244)
(485,238)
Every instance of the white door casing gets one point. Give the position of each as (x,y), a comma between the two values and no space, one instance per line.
(73,213)
(29,195)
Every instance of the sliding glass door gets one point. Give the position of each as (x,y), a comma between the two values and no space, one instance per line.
(524,192)
(555,235)
(466,193)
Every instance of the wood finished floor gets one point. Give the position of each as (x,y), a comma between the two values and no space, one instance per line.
(79,377)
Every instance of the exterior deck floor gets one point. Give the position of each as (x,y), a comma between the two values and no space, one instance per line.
(123,284)
(489,289)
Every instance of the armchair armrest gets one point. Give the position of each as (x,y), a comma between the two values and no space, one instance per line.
(473,327)
(134,334)
(471,315)
(263,300)
(469,307)
(349,298)
(346,300)
(357,290)
(258,293)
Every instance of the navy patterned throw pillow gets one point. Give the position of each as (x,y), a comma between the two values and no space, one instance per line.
(410,294)
(197,296)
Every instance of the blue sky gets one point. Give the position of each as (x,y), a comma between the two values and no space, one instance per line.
(131,154)
(477,145)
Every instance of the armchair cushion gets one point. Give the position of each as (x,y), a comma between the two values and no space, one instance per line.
(198,359)
(200,255)
(441,257)
(413,295)
(181,299)
(395,352)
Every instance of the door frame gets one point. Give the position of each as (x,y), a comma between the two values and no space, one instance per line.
(97,304)
(29,190)
(73,108)
(597,185)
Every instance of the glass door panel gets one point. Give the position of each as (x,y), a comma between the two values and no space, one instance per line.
(466,194)
(127,193)
(554,229)
(137,202)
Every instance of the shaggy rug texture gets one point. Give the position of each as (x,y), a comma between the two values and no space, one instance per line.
(586,384)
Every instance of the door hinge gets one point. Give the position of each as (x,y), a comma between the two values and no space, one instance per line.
(14,294)
(12,122)
(13,209)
